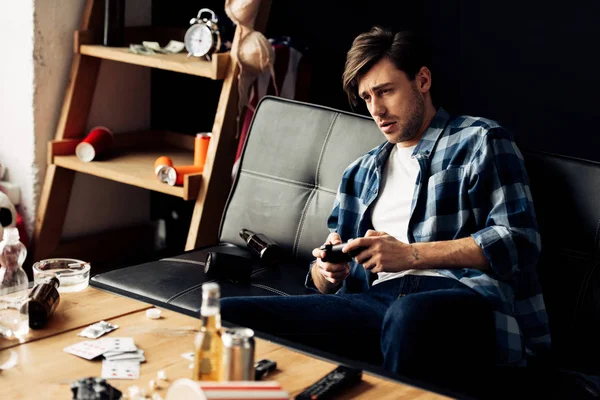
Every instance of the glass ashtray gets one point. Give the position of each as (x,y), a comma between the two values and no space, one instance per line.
(73,275)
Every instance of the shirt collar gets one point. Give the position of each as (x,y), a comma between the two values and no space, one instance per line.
(432,134)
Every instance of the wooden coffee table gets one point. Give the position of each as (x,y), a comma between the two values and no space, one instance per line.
(44,370)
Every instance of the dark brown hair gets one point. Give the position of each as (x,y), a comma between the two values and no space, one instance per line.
(404,49)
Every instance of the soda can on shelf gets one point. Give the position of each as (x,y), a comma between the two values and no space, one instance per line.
(201,143)
(175,175)
(238,354)
(161,167)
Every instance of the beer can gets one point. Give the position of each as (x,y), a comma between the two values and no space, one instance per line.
(238,354)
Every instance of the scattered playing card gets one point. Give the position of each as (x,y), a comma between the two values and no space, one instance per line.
(88,349)
(111,353)
(120,369)
(119,344)
(188,356)
(131,355)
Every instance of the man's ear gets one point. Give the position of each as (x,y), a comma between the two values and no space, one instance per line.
(423,79)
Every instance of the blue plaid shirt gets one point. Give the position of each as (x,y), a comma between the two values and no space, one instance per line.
(472,182)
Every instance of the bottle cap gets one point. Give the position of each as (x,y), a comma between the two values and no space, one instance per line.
(245,234)
(54,282)
(211,287)
(11,234)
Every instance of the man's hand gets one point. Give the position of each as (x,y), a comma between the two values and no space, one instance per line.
(327,276)
(382,252)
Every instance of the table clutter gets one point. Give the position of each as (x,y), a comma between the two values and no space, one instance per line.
(94,388)
(73,274)
(222,361)
(43,366)
(43,300)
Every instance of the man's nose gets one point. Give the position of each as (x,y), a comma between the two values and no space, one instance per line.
(377,107)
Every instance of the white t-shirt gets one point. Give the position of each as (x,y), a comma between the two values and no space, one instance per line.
(391,209)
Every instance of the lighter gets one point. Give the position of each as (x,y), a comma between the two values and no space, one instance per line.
(263,367)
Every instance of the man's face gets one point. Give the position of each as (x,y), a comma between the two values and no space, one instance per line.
(395,103)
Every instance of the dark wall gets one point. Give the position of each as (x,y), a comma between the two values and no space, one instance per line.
(531,65)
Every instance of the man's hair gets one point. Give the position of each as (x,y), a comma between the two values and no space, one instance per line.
(404,49)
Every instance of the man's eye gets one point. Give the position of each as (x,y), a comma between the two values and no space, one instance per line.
(366,98)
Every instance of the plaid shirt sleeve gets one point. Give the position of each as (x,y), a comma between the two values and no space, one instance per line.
(332,224)
(500,195)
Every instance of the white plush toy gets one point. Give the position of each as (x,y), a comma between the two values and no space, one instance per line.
(8,214)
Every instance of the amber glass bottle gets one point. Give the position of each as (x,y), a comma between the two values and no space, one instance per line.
(208,349)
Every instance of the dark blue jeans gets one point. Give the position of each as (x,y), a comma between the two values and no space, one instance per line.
(420,326)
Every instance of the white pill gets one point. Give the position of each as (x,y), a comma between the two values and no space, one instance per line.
(153,313)
(162,375)
(133,391)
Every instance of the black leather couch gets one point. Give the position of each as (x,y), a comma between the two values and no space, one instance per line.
(290,169)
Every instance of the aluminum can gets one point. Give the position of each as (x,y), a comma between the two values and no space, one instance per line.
(238,354)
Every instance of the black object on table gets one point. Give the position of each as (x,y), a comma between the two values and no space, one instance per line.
(263,367)
(94,389)
(43,300)
(333,383)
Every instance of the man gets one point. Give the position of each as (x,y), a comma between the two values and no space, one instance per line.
(441,220)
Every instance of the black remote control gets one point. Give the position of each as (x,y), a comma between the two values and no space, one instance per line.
(340,378)
(333,253)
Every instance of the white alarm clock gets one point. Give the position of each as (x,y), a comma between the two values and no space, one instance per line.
(203,39)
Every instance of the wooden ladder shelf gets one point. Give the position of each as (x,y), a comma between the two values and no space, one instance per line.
(132,164)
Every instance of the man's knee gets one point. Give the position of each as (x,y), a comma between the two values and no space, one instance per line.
(425,332)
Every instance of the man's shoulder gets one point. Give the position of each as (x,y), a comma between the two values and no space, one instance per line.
(469,122)
(477,125)
(470,129)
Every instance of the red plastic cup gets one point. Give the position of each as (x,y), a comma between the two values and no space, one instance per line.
(95,143)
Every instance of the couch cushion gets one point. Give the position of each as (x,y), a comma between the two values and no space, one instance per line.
(566,194)
(176,282)
(290,170)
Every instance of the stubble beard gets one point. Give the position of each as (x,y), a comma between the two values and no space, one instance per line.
(414,121)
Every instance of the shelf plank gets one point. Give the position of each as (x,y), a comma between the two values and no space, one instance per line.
(136,167)
(214,69)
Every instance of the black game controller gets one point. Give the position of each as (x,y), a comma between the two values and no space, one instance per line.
(333,253)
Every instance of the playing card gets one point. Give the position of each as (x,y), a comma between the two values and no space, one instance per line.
(89,349)
(188,356)
(140,359)
(120,369)
(111,353)
(120,344)
(131,356)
